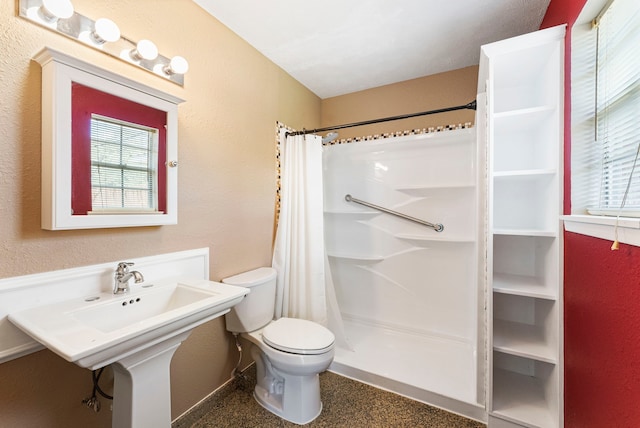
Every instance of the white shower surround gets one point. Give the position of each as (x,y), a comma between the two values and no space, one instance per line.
(410,296)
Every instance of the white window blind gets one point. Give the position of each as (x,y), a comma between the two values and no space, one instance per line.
(124,158)
(616,112)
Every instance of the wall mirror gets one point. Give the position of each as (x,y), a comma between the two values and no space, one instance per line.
(109,148)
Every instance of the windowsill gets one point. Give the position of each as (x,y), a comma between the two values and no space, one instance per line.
(613,212)
(122,212)
(603,227)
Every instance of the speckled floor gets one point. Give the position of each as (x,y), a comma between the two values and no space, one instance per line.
(347,403)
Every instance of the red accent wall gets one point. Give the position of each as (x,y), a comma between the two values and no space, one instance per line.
(565,12)
(86,101)
(602,333)
(601,302)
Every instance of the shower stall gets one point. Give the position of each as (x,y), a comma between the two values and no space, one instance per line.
(410,295)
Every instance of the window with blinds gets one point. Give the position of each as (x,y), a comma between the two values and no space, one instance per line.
(124,159)
(606,156)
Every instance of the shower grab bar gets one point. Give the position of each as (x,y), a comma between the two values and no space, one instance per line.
(437,227)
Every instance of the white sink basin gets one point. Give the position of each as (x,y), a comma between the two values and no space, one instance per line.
(98,330)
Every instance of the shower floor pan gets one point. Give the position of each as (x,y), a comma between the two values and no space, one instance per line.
(437,371)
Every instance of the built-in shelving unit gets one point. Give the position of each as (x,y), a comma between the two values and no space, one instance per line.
(521,79)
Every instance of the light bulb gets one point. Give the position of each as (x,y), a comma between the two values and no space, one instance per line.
(105,30)
(52,10)
(178,65)
(145,49)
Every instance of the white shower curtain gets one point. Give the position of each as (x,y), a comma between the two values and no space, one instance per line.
(304,286)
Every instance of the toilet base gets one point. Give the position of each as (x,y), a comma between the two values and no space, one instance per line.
(262,397)
(294,398)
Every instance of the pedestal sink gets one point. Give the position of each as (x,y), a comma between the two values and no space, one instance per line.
(138,332)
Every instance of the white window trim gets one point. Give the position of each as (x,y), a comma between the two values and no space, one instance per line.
(603,227)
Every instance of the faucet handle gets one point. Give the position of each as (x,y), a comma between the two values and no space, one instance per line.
(123,267)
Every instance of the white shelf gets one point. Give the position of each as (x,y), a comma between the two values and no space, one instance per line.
(429,238)
(527,173)
(523,340)
(428,190)
(536,113)
(526,232)
(356,257)
(520,398)
(522,285)
(352,213)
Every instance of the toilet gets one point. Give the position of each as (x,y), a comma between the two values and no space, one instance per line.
(289,353)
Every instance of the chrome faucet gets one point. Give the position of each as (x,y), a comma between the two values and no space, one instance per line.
(122,277)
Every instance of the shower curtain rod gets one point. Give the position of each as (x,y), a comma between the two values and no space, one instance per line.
(470,106)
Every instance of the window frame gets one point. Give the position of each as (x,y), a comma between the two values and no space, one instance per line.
(590,222)
(151,170)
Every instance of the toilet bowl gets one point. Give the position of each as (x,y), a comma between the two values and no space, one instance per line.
(289,353)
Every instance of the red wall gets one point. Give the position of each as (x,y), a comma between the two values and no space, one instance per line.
(87,101)
(601,303)
(602,333)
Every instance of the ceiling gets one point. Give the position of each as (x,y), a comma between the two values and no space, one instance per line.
(335,47)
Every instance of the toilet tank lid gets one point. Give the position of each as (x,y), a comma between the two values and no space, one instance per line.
(252,277)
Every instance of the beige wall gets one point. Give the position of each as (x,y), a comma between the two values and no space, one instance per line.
(442,90)
(233,97)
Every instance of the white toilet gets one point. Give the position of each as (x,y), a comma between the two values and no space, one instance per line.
(289,353)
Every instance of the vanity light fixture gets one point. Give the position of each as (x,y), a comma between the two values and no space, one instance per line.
(104,35)
(52,10)
(177,65)
(105,30)
(145,49)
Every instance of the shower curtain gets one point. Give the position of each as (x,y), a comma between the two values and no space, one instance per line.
(304,287)
(298,252)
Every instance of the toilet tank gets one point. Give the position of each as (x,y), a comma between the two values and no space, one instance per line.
(257,309)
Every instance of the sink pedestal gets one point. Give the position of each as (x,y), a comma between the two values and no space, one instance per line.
(142,386)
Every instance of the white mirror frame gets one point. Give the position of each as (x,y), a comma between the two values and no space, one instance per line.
(58,72)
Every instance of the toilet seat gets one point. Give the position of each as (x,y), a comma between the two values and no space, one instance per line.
(298,336)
